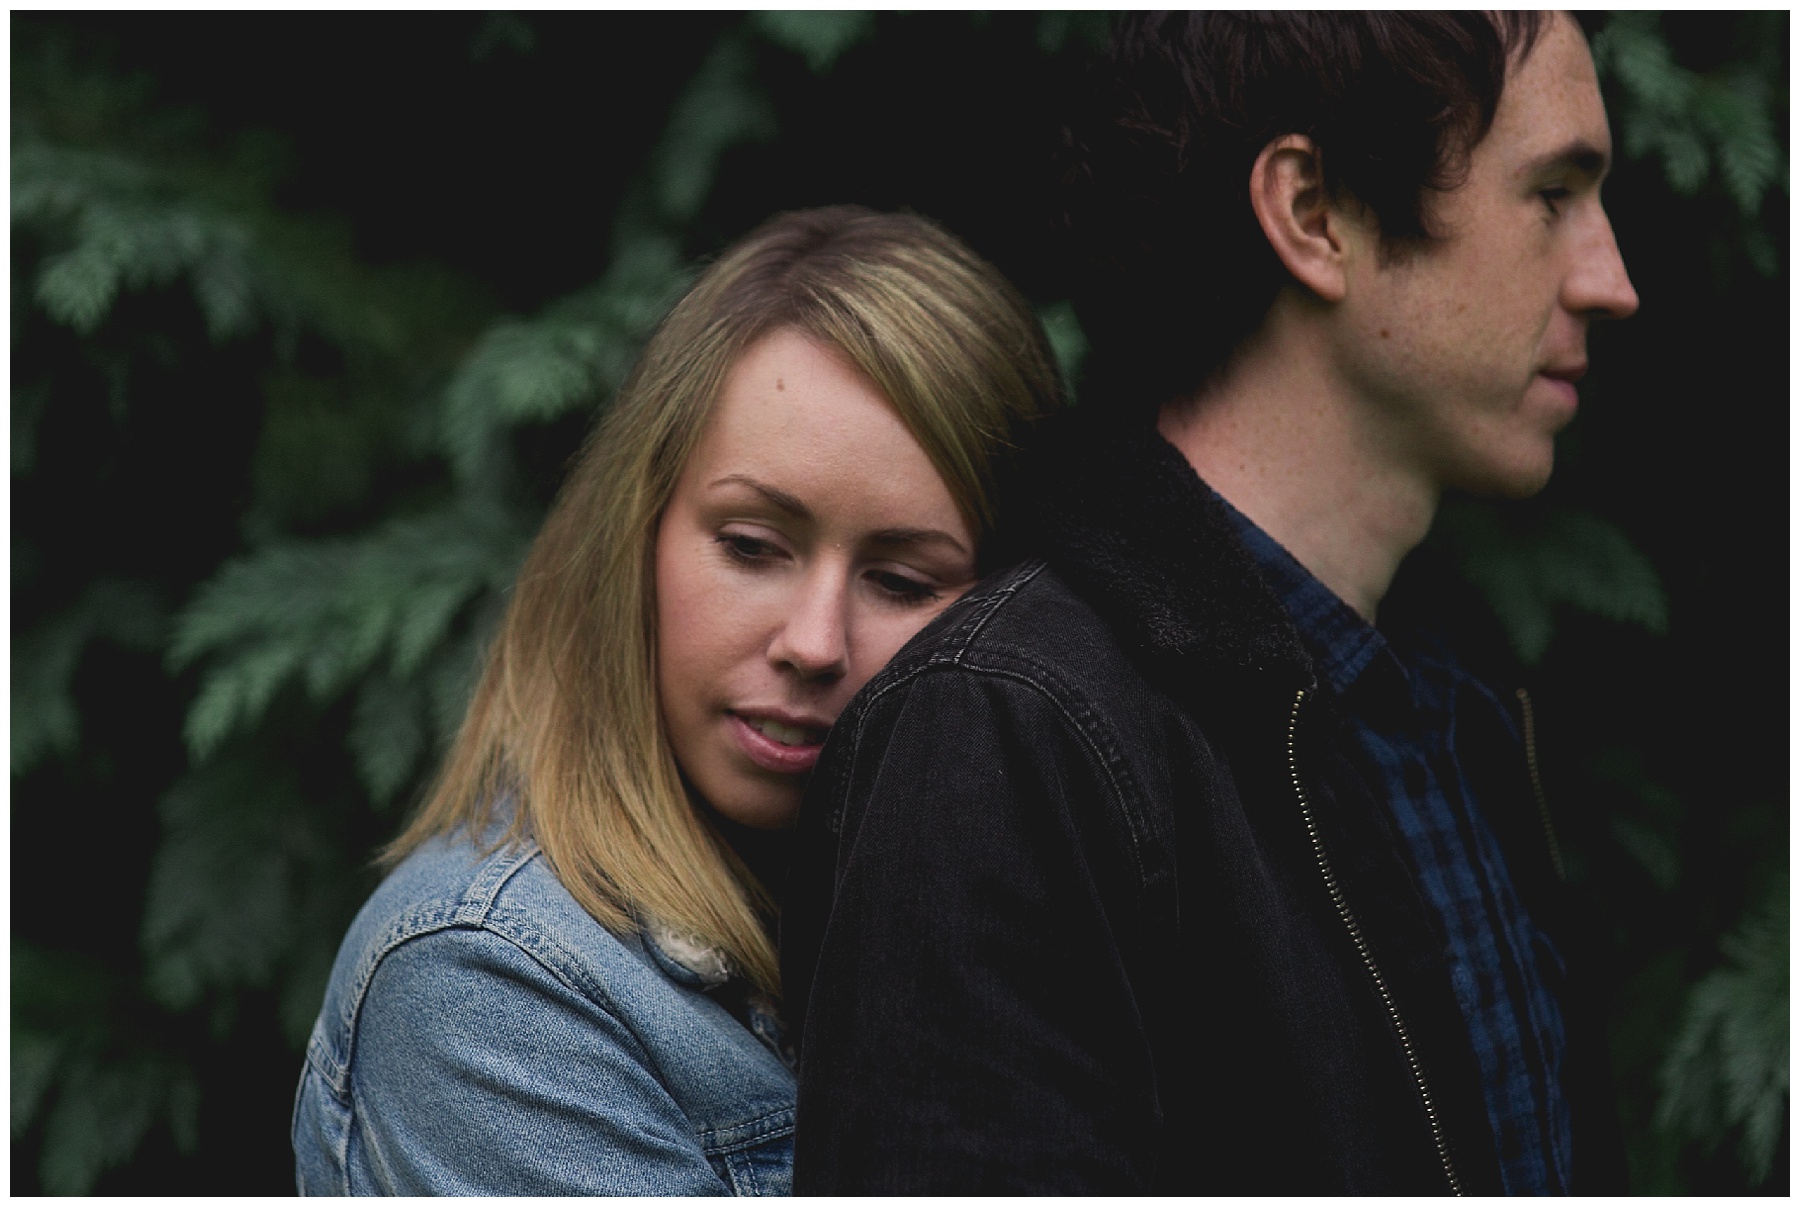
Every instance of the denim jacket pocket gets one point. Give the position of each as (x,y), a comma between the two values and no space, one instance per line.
(755,1157)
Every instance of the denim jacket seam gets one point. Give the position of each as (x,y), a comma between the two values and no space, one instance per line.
(537,946)
(1102,747)
(466,910)
(1133,824)
(491,878)
(1107,751)
(751,1133)
(905,674)
(568,968)
(990,607)
(555,958)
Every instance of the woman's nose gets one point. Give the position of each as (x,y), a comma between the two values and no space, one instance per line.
(813,638)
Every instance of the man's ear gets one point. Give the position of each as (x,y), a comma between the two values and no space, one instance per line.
(1307,231)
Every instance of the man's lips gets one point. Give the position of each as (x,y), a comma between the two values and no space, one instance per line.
(778,741)
(1562,380)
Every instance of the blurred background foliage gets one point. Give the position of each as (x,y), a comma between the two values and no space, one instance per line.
(309,311)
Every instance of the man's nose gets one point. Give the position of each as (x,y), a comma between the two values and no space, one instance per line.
(1599,286)
(813,638)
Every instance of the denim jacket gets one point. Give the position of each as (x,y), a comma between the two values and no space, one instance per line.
(483,1034)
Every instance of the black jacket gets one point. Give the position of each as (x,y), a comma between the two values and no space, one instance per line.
(1091,894)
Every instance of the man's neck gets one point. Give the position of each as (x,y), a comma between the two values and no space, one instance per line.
(1306,463)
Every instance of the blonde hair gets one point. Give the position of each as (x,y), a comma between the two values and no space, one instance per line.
(566,721)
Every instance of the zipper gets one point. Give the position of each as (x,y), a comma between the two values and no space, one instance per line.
(1537,784)
(1364,953)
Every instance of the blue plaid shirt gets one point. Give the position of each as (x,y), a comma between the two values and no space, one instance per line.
(1403,703)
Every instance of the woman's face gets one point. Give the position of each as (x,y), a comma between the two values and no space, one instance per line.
(807,539)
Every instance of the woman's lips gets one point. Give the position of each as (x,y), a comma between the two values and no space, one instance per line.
(786,748)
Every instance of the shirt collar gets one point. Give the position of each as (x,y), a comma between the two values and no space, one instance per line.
(1341,642)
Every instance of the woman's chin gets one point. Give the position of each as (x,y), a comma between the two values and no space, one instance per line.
(760,806)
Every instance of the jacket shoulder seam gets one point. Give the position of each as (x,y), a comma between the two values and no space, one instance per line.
(990,606)
(475,911)
(960,661)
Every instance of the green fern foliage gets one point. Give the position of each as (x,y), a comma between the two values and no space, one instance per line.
(245,891)
(1694,123)
(1703,127)
(1727,1073)
(572,356)
(1067,341)
(321,613)
(122,238)
(83,1073)
(44,662)
(821,36)
(1528,570)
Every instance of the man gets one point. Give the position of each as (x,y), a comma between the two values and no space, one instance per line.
(1155,865)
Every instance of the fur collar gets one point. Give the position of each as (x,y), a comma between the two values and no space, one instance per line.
(1123,518)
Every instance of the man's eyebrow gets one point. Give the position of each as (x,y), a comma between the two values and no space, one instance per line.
(773,494)
(1580,154)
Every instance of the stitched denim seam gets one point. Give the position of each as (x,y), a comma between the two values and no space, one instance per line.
(434,918)
(834,819)
(1133,826)
(543,949)
(340,1142)
(491,878)
(751,1133)
(992,605)
(537,946)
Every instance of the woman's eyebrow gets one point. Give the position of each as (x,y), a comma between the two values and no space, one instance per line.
(773,494)
(916,536)
(794,507)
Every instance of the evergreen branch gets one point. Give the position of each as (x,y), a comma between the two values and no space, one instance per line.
(104,1108)
(78,1069)
(387,735)
(820,36)
(45,721)
(1728,1068)
(1692,122)
(721,107)
(575,354)
(1569,558)
(324,611)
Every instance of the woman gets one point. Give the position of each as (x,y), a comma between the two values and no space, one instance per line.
(567,982)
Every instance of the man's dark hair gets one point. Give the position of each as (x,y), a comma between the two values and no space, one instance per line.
(1171,269)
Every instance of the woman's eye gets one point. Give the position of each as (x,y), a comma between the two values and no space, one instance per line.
(743,548)
(902,588)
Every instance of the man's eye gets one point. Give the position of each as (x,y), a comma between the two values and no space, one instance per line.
(1553,198)
(902,588)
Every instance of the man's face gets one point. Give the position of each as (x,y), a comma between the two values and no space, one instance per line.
(1470,347)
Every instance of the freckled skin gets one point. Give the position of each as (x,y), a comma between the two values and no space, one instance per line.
(813,613)
(1375,383)
(1452,341)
